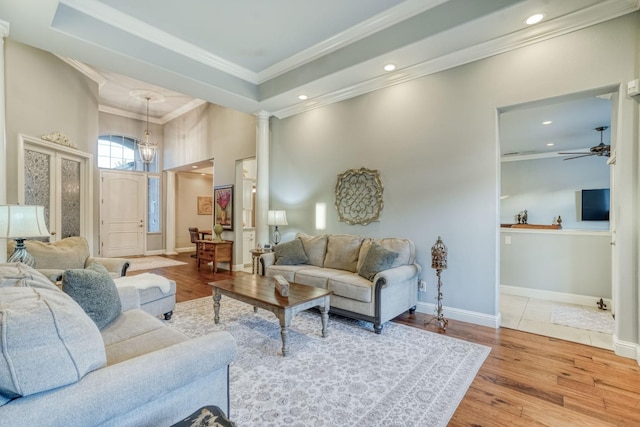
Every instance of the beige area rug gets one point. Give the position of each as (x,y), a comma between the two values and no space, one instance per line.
(149,262)
(353,377)
(582,318)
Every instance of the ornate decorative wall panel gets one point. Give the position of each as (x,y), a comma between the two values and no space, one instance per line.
(70,198)
(359,196)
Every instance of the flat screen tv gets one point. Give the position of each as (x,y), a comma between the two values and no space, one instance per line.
(595,205)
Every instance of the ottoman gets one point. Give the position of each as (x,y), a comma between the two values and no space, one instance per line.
(157,293)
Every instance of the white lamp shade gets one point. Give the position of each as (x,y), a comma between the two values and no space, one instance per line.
(277,218)
(22,221)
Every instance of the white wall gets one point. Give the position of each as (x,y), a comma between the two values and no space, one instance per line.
(550,187)
(435,142)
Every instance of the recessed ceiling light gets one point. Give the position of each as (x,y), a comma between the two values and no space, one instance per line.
(390,67)
(302,97)
(547,122)
(550,144)
(534,19)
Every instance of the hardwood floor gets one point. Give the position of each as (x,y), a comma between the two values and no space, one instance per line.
(527,379)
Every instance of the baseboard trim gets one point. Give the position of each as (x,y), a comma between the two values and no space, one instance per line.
(155,252)
(187,249)
(626,349)
(451,313)
(553,296)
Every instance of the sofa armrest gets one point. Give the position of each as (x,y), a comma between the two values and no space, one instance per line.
(129,297)
(266,260)
(120,388)
(398,274)
(118,266)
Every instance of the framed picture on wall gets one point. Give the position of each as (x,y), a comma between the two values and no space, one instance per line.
(223,206)
(204,205)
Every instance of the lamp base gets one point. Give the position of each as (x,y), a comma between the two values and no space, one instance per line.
(20,254)
(276,236)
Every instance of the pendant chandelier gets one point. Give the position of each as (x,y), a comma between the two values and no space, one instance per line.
(147,147)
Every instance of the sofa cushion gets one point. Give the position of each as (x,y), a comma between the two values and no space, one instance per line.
(377,259)
(46,341)
(352,286)
(64,254)
(343,251)
(18,274)
(315,247)
(94,289)
(291,253)
(315,276)
(286,271)
(403,247)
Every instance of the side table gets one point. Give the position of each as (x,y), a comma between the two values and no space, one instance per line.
(215,252)
(255,259)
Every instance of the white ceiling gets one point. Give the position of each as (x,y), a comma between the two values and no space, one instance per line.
(257,55)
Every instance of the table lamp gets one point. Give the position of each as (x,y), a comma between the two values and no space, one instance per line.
(276,218)
(20,222)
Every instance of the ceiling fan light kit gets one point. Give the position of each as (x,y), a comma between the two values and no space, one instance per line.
(599,150)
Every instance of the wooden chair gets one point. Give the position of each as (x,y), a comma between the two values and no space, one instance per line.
(195,236)
(215,252)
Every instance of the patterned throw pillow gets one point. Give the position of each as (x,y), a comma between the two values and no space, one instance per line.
(94,289)
(291,253)
(378,259)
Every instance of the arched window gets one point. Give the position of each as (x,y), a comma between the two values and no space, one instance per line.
(121,152)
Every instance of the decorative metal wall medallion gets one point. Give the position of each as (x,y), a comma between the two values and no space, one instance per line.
(359,196)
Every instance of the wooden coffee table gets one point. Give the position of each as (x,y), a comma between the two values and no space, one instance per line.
(260,292)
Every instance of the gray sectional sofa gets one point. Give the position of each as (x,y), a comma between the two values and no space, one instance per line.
(371,279)
(57,368)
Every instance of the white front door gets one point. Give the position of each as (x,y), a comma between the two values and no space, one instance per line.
(122,213)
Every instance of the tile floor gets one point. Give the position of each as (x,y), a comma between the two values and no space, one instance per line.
(534,315)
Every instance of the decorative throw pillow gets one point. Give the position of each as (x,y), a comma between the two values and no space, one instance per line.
(94,289)
(378,259)
(46,341)
(290,253)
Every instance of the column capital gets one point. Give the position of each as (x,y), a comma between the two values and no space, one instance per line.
(262,114)
(4,28)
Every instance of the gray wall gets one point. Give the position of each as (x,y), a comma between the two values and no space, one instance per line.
(577,263)
(550,187)
(44,94)
(435,142)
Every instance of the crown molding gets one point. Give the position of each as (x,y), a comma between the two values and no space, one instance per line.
(161,121)
(364,29)
(537,156)
(593,15)
(195,103)
(86,70)
(4,28)
(112,17)
(128,114)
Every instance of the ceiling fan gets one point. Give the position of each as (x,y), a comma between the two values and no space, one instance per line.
(599,150)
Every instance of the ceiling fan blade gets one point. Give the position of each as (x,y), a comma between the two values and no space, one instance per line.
(577,157)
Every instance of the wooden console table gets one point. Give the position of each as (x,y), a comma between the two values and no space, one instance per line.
(215,252)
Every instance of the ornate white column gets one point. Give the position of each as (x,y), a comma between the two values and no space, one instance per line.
(262,177)
(4,32)
(170,215)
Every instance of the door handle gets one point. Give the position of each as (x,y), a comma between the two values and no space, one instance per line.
(612,243)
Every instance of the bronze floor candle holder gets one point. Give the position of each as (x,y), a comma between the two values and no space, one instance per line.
(439,263)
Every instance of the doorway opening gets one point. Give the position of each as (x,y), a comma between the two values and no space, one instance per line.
(553,260)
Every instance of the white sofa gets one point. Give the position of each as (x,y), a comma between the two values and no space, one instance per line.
(58,369)
(336,261)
